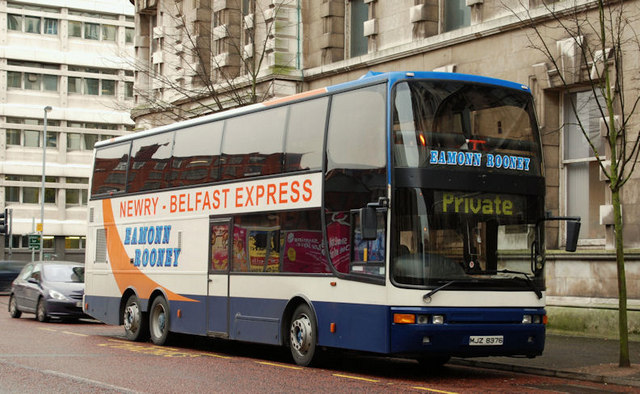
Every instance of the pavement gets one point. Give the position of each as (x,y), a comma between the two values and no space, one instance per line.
(571,357)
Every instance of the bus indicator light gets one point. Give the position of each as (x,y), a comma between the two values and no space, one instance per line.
(423,141)
(332,328)
(404,318)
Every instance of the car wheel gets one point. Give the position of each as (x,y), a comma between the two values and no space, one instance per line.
(303,336)
(13,307)
(159,321)
(41,311)
(135,323)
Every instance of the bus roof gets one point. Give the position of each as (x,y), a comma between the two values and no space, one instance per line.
(368,78)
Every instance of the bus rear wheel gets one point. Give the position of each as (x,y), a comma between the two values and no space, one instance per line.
(159,321)
(135,325)
(303,335)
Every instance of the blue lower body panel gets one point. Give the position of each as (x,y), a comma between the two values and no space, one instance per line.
(507,334)
(357,326)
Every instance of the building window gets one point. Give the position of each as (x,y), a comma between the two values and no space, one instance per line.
(129,33)
(14,22)
(32,24)
(91,31)
(50,83)
(91,86)
(456,14)
(30,195)
(359,14)
(585,192)
(11,194)
(13,137)
(128,90)
(74,242)
(14,79)
(108,33)
(31,138)
(75,29)
(108,88)
(30,80)
(50,26)
(76,197)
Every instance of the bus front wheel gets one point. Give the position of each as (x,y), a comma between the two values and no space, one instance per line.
(303,335)
(135,324)
(159,321)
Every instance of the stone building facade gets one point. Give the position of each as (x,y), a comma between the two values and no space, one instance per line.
(68,55)
(300,45)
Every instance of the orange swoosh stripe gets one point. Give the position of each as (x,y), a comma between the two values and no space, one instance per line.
(125,273)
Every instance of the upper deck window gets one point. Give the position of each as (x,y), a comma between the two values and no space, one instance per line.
(462,125)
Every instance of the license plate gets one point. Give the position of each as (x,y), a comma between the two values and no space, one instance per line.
(486,340)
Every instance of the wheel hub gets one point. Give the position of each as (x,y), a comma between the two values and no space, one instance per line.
(131,316)
(301,334)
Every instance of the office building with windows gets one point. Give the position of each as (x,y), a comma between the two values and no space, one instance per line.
(283,47)
(73,56)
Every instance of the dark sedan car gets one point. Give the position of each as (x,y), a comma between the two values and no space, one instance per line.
(48,289)
(9,270)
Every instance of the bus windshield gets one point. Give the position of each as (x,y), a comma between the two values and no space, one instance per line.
(467,236)
(459,124)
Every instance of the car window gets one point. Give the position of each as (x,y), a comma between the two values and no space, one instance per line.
(64,273)
(36,274)
(26,272)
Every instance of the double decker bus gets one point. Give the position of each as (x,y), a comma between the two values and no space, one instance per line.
(400,213)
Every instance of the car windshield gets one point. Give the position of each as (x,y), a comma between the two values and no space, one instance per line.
(63,273)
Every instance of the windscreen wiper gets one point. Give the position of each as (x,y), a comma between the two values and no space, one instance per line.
(526,278)
(427,297)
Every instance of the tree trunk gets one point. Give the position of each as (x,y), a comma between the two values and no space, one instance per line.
(622,282)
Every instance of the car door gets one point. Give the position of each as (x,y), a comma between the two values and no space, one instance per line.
(33,288)
(19,289)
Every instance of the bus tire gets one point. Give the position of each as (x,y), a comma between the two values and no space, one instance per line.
(135,324)
(303,335)
(159,321)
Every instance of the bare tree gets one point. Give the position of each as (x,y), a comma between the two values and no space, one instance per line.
(210,57)
(585,43)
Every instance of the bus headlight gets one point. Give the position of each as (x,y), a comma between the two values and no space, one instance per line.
(526,319)
(438,319)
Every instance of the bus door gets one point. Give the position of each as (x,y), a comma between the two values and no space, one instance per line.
(220,233)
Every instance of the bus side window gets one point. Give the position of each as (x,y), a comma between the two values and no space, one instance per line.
(253,144)
(196,155)
(305,135)
(110,169)
(148,163)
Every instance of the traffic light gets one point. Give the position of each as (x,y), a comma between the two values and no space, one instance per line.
(4,222)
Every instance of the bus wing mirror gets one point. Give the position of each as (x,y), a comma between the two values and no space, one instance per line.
(573,231)
(368,223)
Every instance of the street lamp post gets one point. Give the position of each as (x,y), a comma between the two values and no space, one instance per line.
(44,160)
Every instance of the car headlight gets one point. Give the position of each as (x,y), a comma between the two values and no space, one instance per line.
(56,295)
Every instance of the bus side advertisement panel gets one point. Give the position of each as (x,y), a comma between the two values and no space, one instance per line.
(160,240)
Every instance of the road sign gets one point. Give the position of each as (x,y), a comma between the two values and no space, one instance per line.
(39,227)
(34,241)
